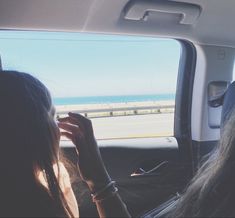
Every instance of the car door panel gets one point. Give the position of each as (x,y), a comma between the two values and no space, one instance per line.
(143,191)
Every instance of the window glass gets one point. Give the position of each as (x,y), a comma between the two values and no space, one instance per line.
(234,71)
(126,85)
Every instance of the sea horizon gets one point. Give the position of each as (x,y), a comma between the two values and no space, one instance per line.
(111,99)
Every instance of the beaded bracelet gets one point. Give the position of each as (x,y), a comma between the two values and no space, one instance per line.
(108,195)
(105,192)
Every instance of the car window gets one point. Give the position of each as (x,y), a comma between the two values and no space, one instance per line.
(125,84)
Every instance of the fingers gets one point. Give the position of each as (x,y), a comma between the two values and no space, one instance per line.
(67,135)
(68,120)
(70,137)
(76,124)
(80,118)
(68,127)
(71,120)
(74,117)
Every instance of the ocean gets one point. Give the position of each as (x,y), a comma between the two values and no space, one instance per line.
(112,99)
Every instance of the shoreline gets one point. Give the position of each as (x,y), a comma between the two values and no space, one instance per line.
(118,109)
(61,108)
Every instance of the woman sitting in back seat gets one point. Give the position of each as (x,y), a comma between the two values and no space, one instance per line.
(34,182)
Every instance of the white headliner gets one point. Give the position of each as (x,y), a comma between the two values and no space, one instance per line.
(215,25)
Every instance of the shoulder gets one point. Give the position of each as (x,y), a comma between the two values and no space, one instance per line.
(63,177)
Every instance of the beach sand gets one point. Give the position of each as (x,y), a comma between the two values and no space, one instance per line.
(63,109)
(126,127)
(142,126)
(147,123)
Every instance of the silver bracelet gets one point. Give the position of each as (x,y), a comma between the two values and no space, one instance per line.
(108,195)
(95,196)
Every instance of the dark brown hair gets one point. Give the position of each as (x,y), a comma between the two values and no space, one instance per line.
(28,142)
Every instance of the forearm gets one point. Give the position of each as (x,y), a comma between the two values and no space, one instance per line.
(112,206)
(91,167)
(109,202)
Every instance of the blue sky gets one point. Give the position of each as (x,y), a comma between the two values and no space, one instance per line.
(78,64)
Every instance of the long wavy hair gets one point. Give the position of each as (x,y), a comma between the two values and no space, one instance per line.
(29,142)
(211,193)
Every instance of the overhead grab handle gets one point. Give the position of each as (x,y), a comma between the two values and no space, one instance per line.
(138,10)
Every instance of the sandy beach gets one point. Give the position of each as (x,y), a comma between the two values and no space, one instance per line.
(147,123)
(141,126)
(100,110)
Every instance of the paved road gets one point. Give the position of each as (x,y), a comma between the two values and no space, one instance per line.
(150,125)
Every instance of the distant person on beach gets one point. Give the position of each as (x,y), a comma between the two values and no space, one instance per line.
(34,181)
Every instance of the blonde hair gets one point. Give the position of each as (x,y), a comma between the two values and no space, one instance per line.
(211,192)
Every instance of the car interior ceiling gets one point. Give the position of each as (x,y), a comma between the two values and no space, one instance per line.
(112,17)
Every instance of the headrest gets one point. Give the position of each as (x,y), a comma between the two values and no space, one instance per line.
(228,103)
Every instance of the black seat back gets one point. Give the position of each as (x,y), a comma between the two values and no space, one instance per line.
(228,104)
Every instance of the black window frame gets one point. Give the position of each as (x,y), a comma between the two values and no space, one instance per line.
(183,103)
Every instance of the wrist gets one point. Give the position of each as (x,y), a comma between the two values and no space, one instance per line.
(106,192)
(99,183)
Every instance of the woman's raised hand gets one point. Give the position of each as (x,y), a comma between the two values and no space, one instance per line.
(91,168)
